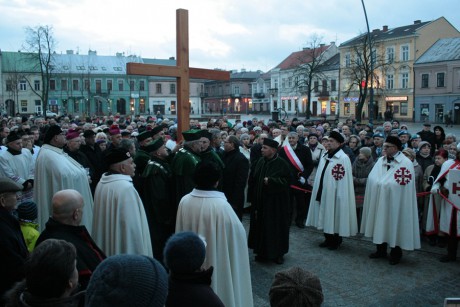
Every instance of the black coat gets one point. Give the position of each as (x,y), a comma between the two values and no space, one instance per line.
(234,179)
(13,251)
(192,290)
(304,155)
(96,159)
(89,255)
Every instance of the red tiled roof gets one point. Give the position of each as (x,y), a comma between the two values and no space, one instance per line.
(301,57)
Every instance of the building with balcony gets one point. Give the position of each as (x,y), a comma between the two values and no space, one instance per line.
(437,82)
(394,51)
(261,94)
(234,96)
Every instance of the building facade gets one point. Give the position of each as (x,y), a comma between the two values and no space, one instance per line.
(437,83)
(398,49)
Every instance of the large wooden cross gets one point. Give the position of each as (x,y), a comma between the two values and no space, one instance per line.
(181,71)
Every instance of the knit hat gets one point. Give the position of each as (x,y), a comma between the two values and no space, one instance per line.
(337,136)
(13,136)
(423,143)
(296,287)
(128,280)
(27,211)
(52,131)
(394,140)
(116,155)
(184,252)
(408,152)
(365,151)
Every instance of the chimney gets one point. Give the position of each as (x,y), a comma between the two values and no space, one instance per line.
(416,22)
(92,52)
(69,52)
(321,45)
(385,28)
(172,58)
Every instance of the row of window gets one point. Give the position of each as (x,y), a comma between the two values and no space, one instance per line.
(440,79)
(389,56)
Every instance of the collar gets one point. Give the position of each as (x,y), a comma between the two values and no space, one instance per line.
(208,194)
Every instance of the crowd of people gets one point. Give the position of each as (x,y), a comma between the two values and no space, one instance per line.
(127,204)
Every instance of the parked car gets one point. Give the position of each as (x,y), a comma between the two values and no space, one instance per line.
(50,114)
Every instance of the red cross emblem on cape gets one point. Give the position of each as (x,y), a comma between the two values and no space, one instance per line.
(403,176)
(338,172)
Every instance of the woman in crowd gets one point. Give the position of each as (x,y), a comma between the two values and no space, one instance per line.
(361,168)
(440,136)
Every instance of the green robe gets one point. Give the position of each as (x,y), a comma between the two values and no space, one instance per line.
(183,167)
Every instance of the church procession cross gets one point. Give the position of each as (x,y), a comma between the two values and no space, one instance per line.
(182,72)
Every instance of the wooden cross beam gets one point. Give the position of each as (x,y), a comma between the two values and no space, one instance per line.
(181,71)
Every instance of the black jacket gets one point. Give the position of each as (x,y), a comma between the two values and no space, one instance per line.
(304,155)
(13,251)
(234,179)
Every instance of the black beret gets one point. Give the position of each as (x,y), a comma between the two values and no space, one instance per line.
(337,136)
(13,136)
(88,133)
(157,129)
(116,155)
(271,143)
(192,135)
(394,140)
(154,145)
(52,131)
(206,134)
(144,135)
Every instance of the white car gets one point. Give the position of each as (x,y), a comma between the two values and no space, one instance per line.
(50,114)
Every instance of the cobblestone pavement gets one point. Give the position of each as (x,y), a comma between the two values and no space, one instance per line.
(350,278)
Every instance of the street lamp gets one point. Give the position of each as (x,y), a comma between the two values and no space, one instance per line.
(371,91)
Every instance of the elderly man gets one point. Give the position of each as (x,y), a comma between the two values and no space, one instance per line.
(332,206)
(55,171)
(17,164)
(65,224)
(377,149)
(206,212)
(94,155)
(120,224)
(299,158)
(269,186)
(390,214)
(114,136)
(141,158)
(13,249)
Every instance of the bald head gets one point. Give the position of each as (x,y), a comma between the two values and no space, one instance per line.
(68,207)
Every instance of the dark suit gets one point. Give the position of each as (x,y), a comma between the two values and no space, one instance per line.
(235,176)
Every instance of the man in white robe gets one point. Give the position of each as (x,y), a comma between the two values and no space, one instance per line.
(206,212)
(446,185)
(390,213)
(332,205)
(56,171)
(17,164)
(120,224)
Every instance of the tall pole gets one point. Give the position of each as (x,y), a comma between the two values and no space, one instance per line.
(371,91)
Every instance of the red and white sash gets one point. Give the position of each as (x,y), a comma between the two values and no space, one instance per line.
(293,158)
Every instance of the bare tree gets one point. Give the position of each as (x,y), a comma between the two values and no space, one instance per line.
(357,72)
(309,68)
(40,44)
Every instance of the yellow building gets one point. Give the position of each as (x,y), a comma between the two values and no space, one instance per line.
(395,51)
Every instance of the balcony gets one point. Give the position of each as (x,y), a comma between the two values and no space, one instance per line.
(273,91)
(259,95)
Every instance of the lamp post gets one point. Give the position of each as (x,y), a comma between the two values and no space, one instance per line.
(371,91)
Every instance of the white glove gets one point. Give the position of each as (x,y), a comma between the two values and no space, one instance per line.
(435,188)
(302,180)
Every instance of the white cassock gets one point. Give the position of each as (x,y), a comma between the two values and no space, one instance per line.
(208,214)
(336,213)
(440,208)
(390,204)
(18,168)
(55,171)
(119,224)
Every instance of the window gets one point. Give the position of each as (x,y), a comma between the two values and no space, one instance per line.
(142,85)
(38,106)
(23,85)
(52,85)
(98,86)
(347,60)
(405,53)
(403,109)
(333,85)
(390,82)
(86,85)
(9,85)
(64,85)
(120,85)
(131,85)
(425,79)
(141,105)
(172,88)
(289,82)
(158,88)
(390,55)
(109,85)
(75,85)
(346,107)
(24,106)
(37,85)
(316,86)
(79,67)
(324,86)
(283,83)
(236,90)
(275,83)
(404,80)
(440,79)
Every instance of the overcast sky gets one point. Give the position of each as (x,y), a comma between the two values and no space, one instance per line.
(236,34)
